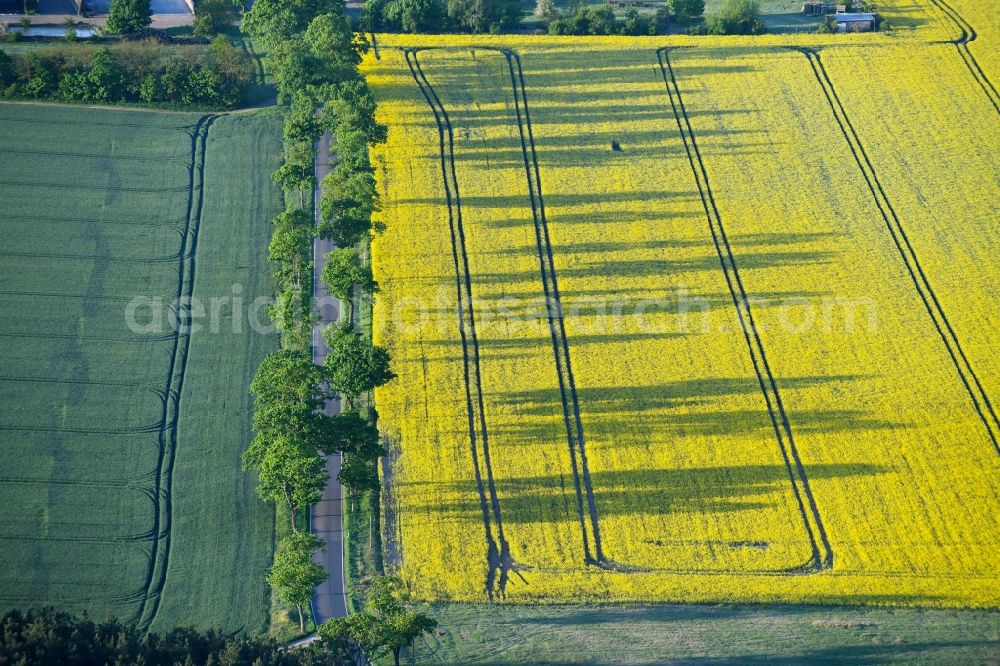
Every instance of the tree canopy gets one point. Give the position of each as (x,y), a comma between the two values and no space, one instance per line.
(212,16)
(385,626)
(290,244)
(736,17)
(291,432)
(686,10)
(273,21)
(346,207)
(294,574)
(344,271)
(127,16)
(429,16)
(354,365)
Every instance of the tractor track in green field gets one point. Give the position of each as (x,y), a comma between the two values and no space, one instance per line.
(51,294)
(970,380)
(144,537)
(822,552)
(499,560)
(115,483)
(93,338)
(157,571)
(93,257)
(96,188)
(152,427)
(96,156)
(174,224)
(82,382)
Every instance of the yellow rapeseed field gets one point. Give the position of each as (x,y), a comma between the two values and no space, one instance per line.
(689,319)
(973,20)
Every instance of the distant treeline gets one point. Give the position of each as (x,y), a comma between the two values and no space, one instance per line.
(431,16)
(185,77)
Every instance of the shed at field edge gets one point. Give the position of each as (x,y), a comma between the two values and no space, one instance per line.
(855,22)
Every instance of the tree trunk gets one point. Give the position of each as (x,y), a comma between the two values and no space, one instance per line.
(395,654)
(302,619)
(291,508)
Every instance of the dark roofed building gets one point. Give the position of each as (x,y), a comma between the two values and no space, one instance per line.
(855,22)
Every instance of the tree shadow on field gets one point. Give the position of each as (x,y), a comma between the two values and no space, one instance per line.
(543,343)
(642,492)
(632,422)
(560,216)
(643,417)
(594,150)
(555,84)
(667,267)
(651,139)
(557,200)
(655,116)
(608,246)
(675,394)
(622,433)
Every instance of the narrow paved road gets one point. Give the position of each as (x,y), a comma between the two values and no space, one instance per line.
(327,515)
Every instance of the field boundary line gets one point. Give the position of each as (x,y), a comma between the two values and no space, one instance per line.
(967,34)
(557,328)
(822,553)
(157,572)
(499,560)
(980,399)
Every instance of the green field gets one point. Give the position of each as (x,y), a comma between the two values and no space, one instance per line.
(121,490)
(696,634)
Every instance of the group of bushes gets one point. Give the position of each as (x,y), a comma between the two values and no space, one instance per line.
(429,16)
(130,72)
(735,17)
(48,636)
(601,21)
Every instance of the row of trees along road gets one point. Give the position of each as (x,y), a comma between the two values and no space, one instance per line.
(314,55)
